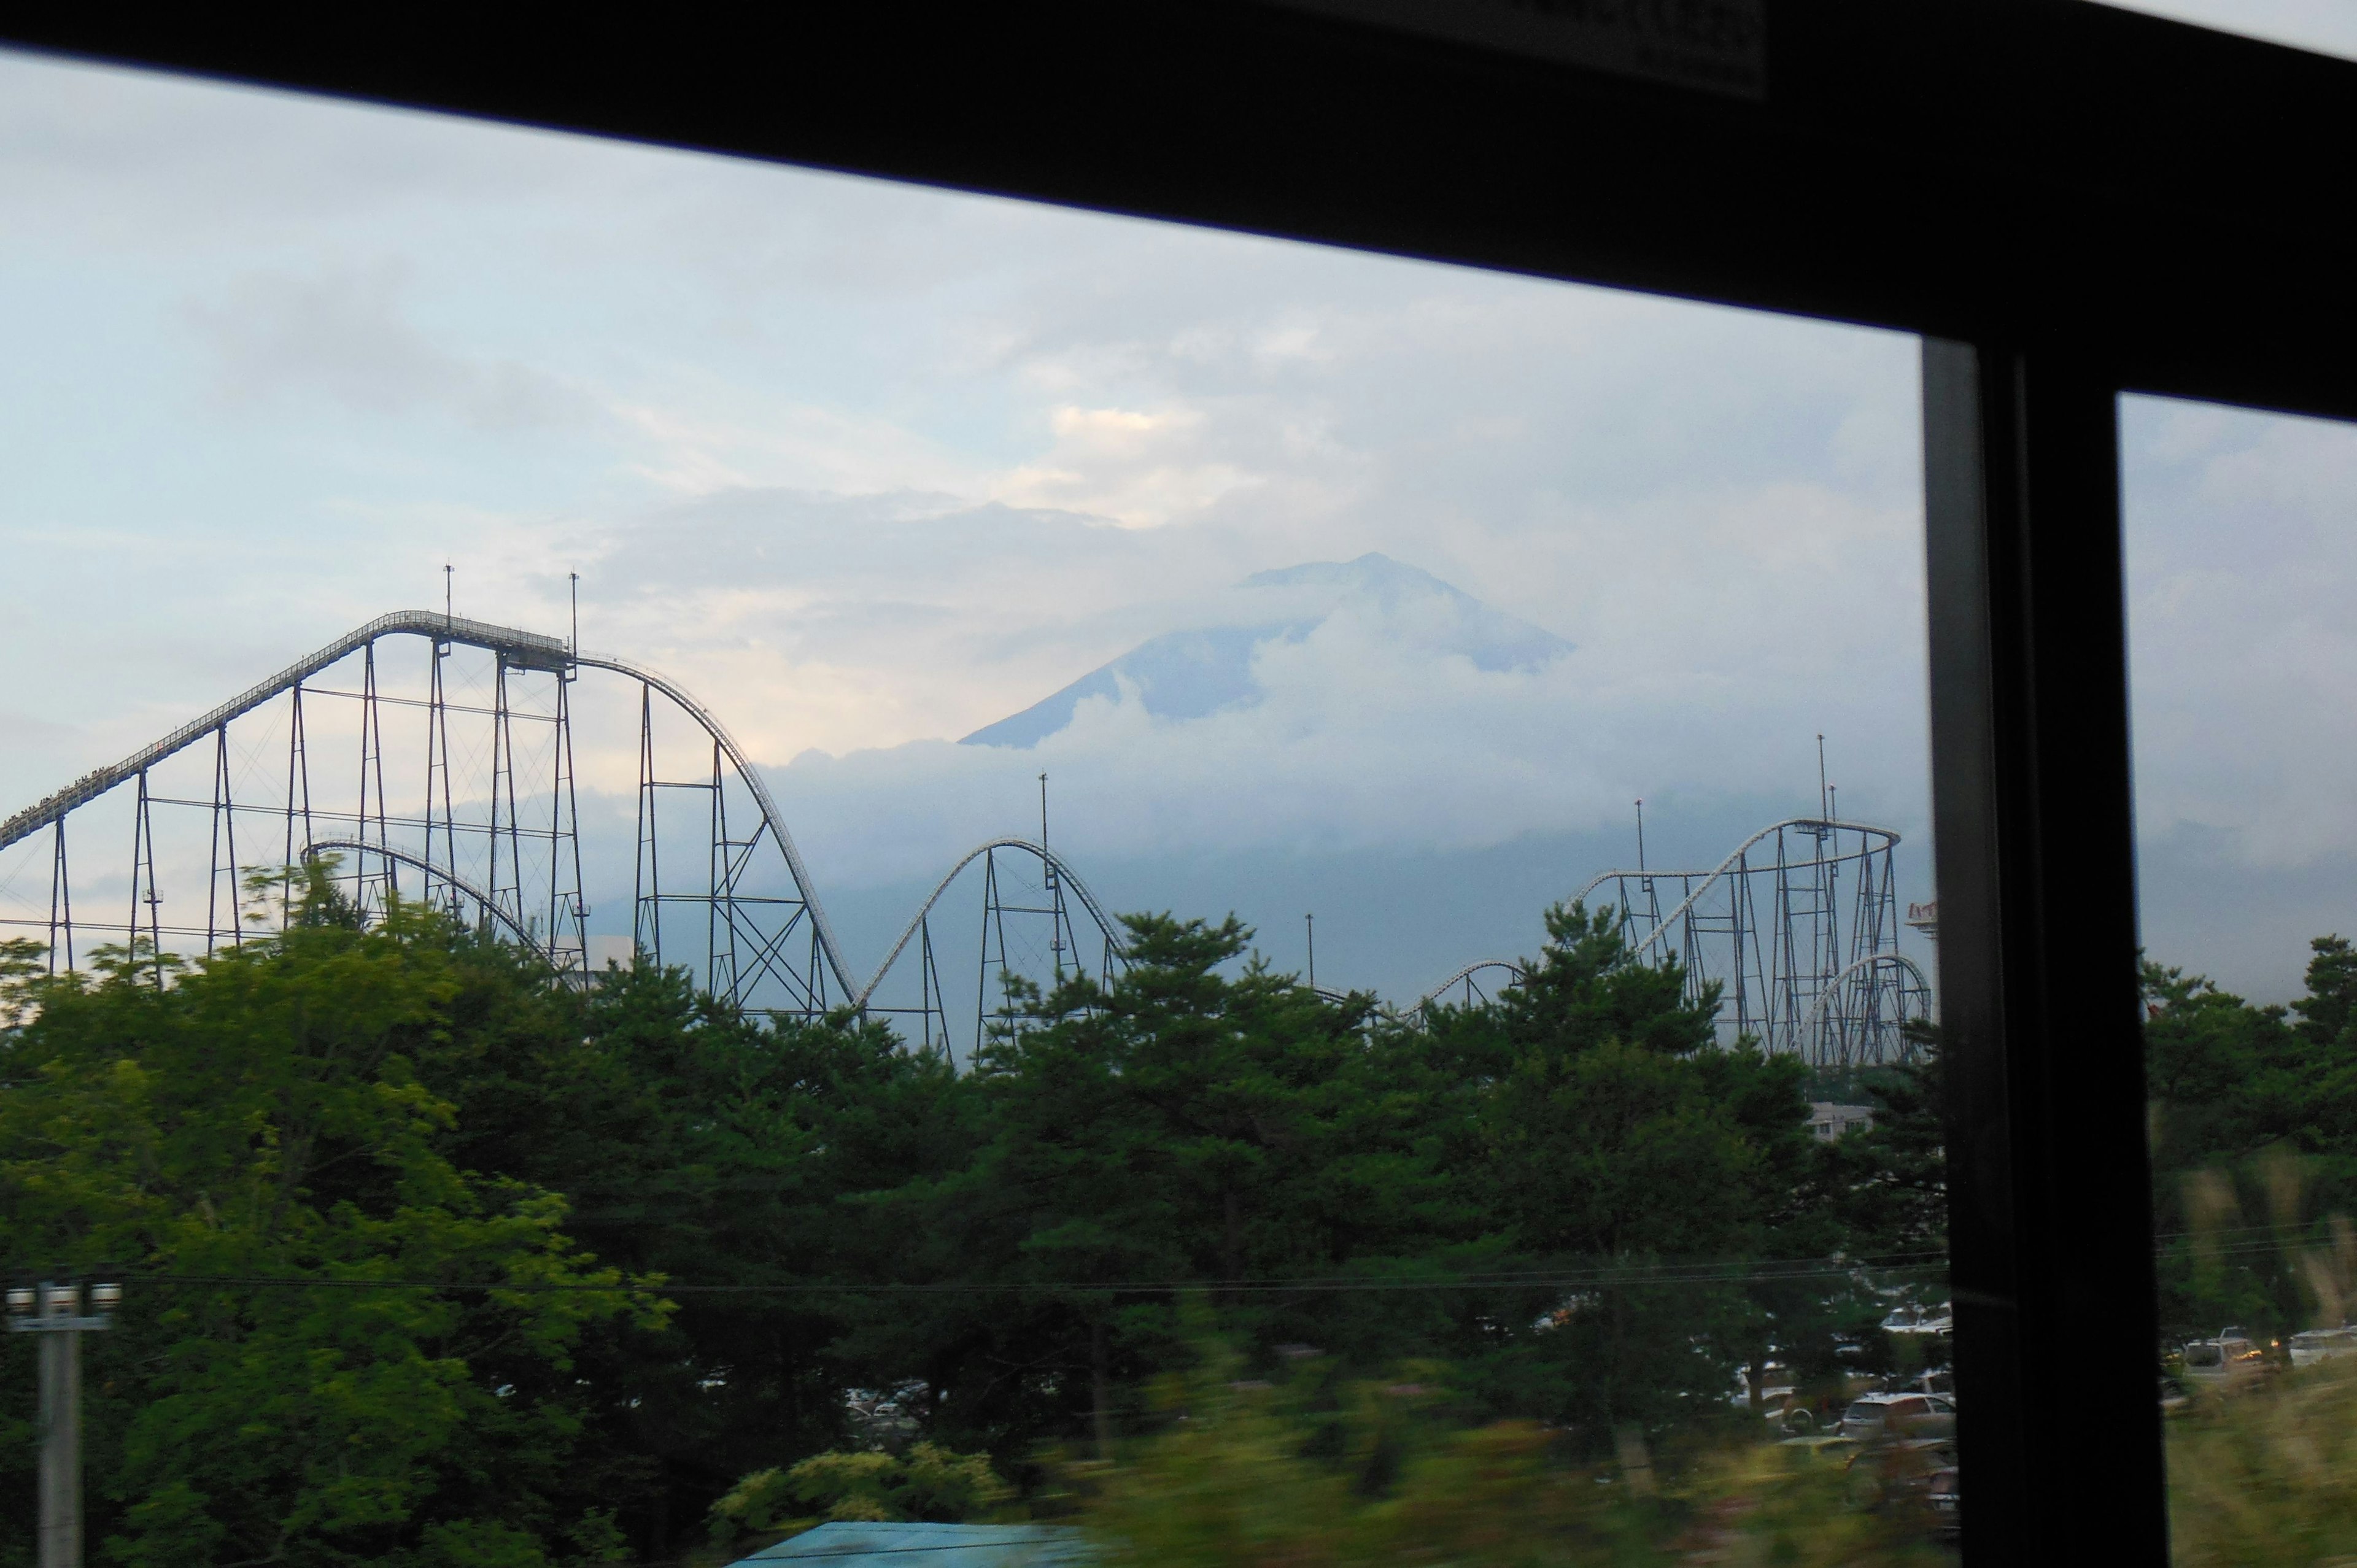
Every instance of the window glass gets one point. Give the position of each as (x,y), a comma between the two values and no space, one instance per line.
(2243,671)
(2324,27)
(701,856)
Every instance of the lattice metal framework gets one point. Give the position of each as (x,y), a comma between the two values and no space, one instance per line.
(1029,928)
(1798,928)
(433,758)
(1475,985)
(207,804)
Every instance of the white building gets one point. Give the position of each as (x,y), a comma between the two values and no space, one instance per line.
(1829,1121)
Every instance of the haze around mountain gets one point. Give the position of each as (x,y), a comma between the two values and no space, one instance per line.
(1200,670)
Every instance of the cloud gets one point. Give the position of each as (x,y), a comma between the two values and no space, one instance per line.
(869,466)
(343,333)
(1364,739)
(1141,470)
(2244,660)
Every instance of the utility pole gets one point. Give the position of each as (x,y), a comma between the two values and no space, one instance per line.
(55,1311)
(1310,923)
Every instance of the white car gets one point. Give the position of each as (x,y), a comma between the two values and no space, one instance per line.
(1935,1320)
(2313,1345)
(2228,1358)
(1903,1415)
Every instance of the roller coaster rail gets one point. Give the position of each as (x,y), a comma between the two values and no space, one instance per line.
(1468,978)
(758,937)
(1798,927)
(486,908)
(528,649)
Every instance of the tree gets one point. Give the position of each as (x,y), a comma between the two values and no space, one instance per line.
(1618,1142)
(1177,1125)
(695,1143)
(2254,1148)
(338,1345)
(1574,1195)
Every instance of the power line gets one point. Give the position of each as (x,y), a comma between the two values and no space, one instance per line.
(1709,1271)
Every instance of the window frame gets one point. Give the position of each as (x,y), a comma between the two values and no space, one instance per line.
(2069,203)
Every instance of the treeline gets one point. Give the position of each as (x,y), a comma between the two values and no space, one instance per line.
(2254,1137)
(427,1261)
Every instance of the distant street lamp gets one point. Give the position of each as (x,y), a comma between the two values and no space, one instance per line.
(56,1311)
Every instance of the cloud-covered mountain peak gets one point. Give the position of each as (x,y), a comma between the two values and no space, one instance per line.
(1209,665)
(1373,576)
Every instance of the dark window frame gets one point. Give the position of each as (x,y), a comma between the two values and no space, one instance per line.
(2067,201)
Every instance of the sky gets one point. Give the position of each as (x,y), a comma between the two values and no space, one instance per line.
(2325,26)
(870,467)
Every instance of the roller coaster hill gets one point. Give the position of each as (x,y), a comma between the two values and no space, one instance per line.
(432,759)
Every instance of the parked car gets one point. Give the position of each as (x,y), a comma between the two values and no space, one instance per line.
(1822,1447)
(1940,1380)
(1943,1497)
(1898,1474)
(2228,1360)
(1938,1320)
(1789,1410)
(1903,1415)
(2313,1345)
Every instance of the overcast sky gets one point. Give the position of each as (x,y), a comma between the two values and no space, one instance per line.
(2326,27)
(869,466)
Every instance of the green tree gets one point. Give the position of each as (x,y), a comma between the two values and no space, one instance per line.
(405,1396)
(2254,1123)
(1618,1142)
(1177,1125)
(695,1142)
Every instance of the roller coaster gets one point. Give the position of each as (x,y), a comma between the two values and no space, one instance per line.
(447,779)
(1797,930)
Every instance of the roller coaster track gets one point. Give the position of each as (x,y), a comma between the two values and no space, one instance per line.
(527,648)
(1467,974)
(1718,873)
(1871,962)
(1798,937)
(1105,926)
(524,650)
(1799,949)
(482,901)
(774,818)
(1817,972)
(515,649)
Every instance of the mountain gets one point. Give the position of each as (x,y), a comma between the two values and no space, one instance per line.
(1200,669)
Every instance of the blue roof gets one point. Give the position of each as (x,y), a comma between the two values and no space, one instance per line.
(930,1546)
